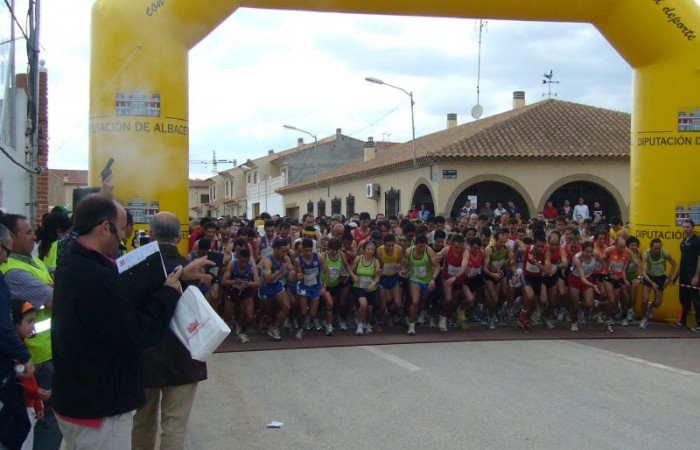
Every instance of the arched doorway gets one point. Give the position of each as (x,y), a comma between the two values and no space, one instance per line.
(492,192)
(591,192)
(423,196)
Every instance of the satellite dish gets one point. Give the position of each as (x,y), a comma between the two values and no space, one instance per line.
(477,111)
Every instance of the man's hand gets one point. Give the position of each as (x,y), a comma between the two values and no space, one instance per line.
(191,270)
(173,279)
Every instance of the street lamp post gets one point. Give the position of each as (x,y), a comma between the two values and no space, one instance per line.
(413,123)
(289,127)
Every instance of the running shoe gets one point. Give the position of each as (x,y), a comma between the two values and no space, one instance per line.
(329,330)
(527,327)
(574,326)
(599,317)
(307,323)
(367,327)
(625,322)
(343,325)
(522,318)
(630,315)
(560,315)
(274,333)
(360,330)
(299,334)
(286,324)
(421,318)
(265,322)
(609,327)
(696,329)
(679,326)
(243,338)
(643,323)
(431,321)
(411,329)
(442,324)
(492,323)
(548,323)
(317,325)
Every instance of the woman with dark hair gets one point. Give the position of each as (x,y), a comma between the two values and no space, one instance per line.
(55,227)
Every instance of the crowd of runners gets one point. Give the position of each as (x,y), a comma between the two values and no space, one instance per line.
(365,274)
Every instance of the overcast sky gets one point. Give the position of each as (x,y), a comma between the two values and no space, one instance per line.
(308,70)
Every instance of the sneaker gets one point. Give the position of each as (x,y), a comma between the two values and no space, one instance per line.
(522,318)
(411,329)
(360,330)
(599,317)
(343,325)
(243,338)
(286,324)
(560,315)
(367,327)
(492,323)
(548,323)
(527,327)
(299,334)
(696,329)
(329,330)
(574,326)
(630,315)
(307,323)
(609,327)
(421,318)
(625,322)
(463,324)
(442,324)
(643,323)
(317,325)
(274,333)
(679,326)
(431,321)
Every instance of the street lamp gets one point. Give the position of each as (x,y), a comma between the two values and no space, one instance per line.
(413,123)
(289,127)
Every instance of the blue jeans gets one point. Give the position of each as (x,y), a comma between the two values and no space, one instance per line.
(47,435)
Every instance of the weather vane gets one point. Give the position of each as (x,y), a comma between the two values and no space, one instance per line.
(549,82)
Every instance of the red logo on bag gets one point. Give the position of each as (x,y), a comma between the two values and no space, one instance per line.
(193,326)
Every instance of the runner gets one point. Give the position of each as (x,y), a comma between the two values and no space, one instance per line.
(498,264)
(366,271)
(390,292)
(654,262)
(617,258)
(276,268)
(266,240)
(424,270)
(581,281)
(553,279)
(308,266)
(535,263)
(628,293)
(337,286)
(240,280)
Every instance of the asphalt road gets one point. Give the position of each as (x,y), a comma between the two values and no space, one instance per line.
(466,395)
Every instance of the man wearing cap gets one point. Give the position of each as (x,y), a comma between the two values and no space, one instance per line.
(29,279)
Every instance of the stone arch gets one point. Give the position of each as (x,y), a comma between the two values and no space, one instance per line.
(422,190)
(451,204)
(622,204)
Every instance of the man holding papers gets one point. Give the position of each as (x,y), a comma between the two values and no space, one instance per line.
(99,333)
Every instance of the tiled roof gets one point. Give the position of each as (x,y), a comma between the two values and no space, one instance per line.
(551,129)
(199,184)
(79,177)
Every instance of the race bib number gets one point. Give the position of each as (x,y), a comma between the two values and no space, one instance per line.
(420,272)
(267,251)
(616,266)
(453,270)
(335,272)
(365,282)
(532,268)
(498,264)
(390,268)
(310,279)
(474,271)
(343,271)
(658,268)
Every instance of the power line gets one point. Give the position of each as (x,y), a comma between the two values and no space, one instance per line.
(12,12)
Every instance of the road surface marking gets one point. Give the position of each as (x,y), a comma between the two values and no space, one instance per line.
(389,357)
(635,360)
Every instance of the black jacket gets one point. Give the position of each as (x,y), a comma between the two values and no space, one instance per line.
(168,363)
(98,336)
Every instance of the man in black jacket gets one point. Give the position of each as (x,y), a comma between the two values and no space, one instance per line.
(99,334)
(171,374)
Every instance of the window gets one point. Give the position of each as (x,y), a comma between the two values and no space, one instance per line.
(212,192)
(350,205)
(321,208)
(336,204)
(310,207)
(392,202)
(204,198)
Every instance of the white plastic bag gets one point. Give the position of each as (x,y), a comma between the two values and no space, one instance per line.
(197,325)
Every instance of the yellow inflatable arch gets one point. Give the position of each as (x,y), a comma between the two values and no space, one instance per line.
(139,92)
